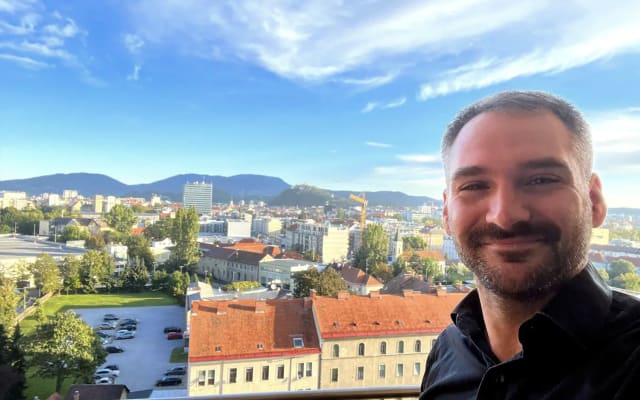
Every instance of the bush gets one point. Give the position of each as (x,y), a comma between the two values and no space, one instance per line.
(241,286)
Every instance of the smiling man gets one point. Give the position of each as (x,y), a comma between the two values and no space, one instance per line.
(520,203)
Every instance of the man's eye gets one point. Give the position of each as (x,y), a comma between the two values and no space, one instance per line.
(541,180)
(473,186)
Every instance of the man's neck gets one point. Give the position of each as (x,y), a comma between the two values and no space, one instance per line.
(502,320)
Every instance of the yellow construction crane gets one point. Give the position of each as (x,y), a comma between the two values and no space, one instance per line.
(363,211)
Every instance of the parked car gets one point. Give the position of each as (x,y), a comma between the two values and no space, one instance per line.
(172,329)
(128,327)
(174,335)
(169,381)
(105,380)
(128,321)
(109,317)
(112,367)
(106,372)
(181,370)
(106,325)
(125,335)
(113,349)
(103,334)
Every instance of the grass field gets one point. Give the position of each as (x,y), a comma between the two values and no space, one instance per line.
(178,355)
(43,388)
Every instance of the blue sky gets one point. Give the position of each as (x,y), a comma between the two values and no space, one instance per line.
(337,94)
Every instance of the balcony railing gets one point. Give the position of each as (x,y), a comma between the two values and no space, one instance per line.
(395,392)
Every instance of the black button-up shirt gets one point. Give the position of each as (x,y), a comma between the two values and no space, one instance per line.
(584,344)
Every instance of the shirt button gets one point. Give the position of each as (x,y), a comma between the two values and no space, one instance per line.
(500,378)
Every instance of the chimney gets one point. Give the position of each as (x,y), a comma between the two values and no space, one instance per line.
(374,294)
(407,293)
(313,293)
(222,308)
(441,290)
(343,295)
(260,306)
(307,303)
(76,395)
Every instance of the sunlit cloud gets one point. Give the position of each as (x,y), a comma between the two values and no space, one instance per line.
(419,158)
(377,105)
(378,144)
(135,74)
(616,139)
(133,43)
(25,62)
(68,30)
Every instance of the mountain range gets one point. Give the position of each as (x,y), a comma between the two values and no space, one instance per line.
(272,190)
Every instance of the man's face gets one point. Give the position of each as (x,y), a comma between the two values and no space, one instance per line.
(518,205)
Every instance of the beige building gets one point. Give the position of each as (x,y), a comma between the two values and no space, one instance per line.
(240,262)
(280,271)
(329,243)
(17,200)
(249,346)
(600,236)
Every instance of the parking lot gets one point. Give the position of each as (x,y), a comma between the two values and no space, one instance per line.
(146,356)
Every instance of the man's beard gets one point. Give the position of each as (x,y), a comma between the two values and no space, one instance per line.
(565,255)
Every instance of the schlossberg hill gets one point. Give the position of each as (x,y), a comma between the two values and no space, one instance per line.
(274,191)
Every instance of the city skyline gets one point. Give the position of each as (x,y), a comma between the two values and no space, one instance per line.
(343,96)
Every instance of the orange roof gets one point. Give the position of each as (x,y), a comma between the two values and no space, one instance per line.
(249,328)
(137,231)
(252,246)
(383,315)
(358,276)
(435,255)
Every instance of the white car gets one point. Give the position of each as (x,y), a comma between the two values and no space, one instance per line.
(106,372)
(105,380)
(125,335)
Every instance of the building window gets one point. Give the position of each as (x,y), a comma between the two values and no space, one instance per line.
(233,375)
(212,377)
(265,373)
(336,350)
(334,374)
(418,346)
(280,371)
(248,375)
(309,371)
(401,347)
(300,370)
(361,349)
(416,368)
(382,371)
(383,348)
(360,373)
(298,342)
(201,378)
(400,370)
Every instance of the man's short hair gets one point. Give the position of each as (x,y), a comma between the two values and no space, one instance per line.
(528,101)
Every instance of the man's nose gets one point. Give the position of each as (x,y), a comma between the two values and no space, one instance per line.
(506,207)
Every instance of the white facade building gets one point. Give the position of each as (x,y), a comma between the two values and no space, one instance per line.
(198,195)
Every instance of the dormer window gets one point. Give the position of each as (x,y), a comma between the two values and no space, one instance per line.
(218,349)
(260,346)
(298,342)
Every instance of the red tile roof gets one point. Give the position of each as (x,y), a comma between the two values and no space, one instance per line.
(383,315)
(358,277)
(235,329)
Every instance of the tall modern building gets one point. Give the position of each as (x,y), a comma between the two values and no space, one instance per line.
(198,195)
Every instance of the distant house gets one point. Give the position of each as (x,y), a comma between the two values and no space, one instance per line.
(97,392)
(358,281)
(433,255)
(57,225)
(239,262)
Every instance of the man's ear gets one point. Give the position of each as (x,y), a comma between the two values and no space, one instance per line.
(445,212)
(598,204)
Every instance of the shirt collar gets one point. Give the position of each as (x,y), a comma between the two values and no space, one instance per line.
(579,308)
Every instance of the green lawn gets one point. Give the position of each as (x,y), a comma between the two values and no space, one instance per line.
(43,388)
(178,355)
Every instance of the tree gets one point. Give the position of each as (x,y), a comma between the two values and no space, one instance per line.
(120,218)
(96,269)
(70,271)
(12,368)
(139,247)
(413,242)
(628,280)
(63,347)
(160,280)
(373,249)
(177,285)
(18,363)
(325,283)
(184,234)
(8,302)
(72,232)
(95,241)
(603,274)
(620,267)
(160,230)
(135,276)
(46,274)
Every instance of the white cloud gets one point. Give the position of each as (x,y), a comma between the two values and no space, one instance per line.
(27,25)
(25,62)
(377,105)
(616,140)
(370,82)
(68,30)
(419,158)
(133,43)
(12,6)
(135,74)
(377,144)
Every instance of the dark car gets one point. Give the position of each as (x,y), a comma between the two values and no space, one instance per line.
(127,321)
(172,329)
(174,335)
(113,349)
(109,317)
(169,381)
(176,371)
(103,334)
(112,367)
(128,327)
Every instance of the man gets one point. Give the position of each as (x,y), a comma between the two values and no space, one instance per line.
(520,203)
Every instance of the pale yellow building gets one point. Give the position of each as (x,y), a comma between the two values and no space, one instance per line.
(600,236)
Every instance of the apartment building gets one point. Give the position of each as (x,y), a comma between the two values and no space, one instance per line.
(267,228)
(280,271)
(198,195)
(240,262)
(249,346)
(346,341)
(328,243)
